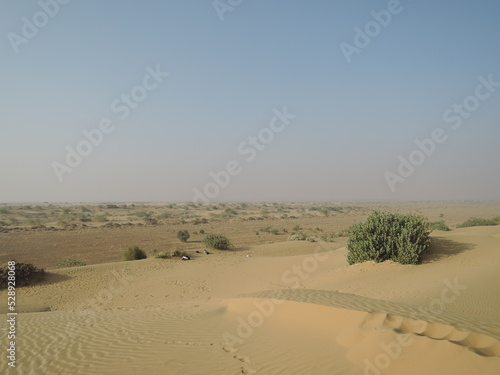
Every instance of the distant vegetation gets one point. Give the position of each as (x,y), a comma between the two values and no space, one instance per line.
(100,218)
(217,241)
(438,225)
(165,215)
(135,253)
(183,235)
(65,217)
(162,255)
(169,254)
(386,236)
(344,233)
(328,237)
(270,230)
(120,225)
(298,237)
(179,253)
(478,222)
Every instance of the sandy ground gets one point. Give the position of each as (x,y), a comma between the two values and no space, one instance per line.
(287,308)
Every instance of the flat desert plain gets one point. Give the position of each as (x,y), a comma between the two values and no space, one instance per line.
(270,305)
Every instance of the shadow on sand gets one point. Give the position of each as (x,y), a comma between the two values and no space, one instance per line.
(50,278)
(443,248)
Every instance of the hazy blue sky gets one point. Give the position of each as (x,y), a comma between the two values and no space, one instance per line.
(353,119)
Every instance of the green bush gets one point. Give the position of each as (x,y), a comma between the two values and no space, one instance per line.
(140,214)
(135,253)
(438,225)
(386,236)
(162,255)
(478,222)
(270,230)
(344,233)
(179,253)
(70,263)
(217,241)
(298,237)
(150,220)
(165,215)
(25,273)
(83,218)
(183,235)
(14,221)
(169,254)
(230,212)
(100,218)
(328,237)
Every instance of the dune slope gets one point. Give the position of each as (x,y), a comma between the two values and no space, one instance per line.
(270,313)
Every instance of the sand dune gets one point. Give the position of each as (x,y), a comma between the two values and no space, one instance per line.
(210,338)
(290,308)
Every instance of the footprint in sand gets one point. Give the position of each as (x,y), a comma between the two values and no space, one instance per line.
(242,359)
(244,369)
(247,370)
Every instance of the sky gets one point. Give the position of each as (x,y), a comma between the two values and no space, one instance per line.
(249,100)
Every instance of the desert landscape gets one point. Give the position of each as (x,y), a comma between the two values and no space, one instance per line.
(232,187)
(275,303)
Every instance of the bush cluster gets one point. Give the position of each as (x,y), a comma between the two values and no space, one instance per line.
(100,218)
(298,237)
(438,225)
(386,236)
(270,230)
(135,253)
(217,241)
(478,222)
(169,254)
(179,253)
(183,235)
(162,254)
(328,237)
(26,273)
